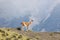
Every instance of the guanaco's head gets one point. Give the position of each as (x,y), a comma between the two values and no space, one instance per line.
(32,20)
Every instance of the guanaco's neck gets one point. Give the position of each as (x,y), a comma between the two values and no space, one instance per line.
(30,22)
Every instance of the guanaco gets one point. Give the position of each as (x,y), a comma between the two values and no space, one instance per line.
(26,24)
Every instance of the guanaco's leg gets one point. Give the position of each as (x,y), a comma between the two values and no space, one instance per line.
(22,28)
(27,28)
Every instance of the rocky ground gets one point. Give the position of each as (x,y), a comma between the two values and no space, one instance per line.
(15,34)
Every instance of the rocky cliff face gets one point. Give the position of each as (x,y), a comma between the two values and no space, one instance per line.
(14,34)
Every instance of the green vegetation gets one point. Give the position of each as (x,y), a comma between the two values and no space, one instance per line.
(6,34)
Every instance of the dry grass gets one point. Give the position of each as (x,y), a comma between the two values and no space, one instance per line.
(14,34)
(8,34)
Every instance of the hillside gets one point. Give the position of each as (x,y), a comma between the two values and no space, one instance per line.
(14,34)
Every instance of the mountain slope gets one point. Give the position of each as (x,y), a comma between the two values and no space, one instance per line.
(14,34)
